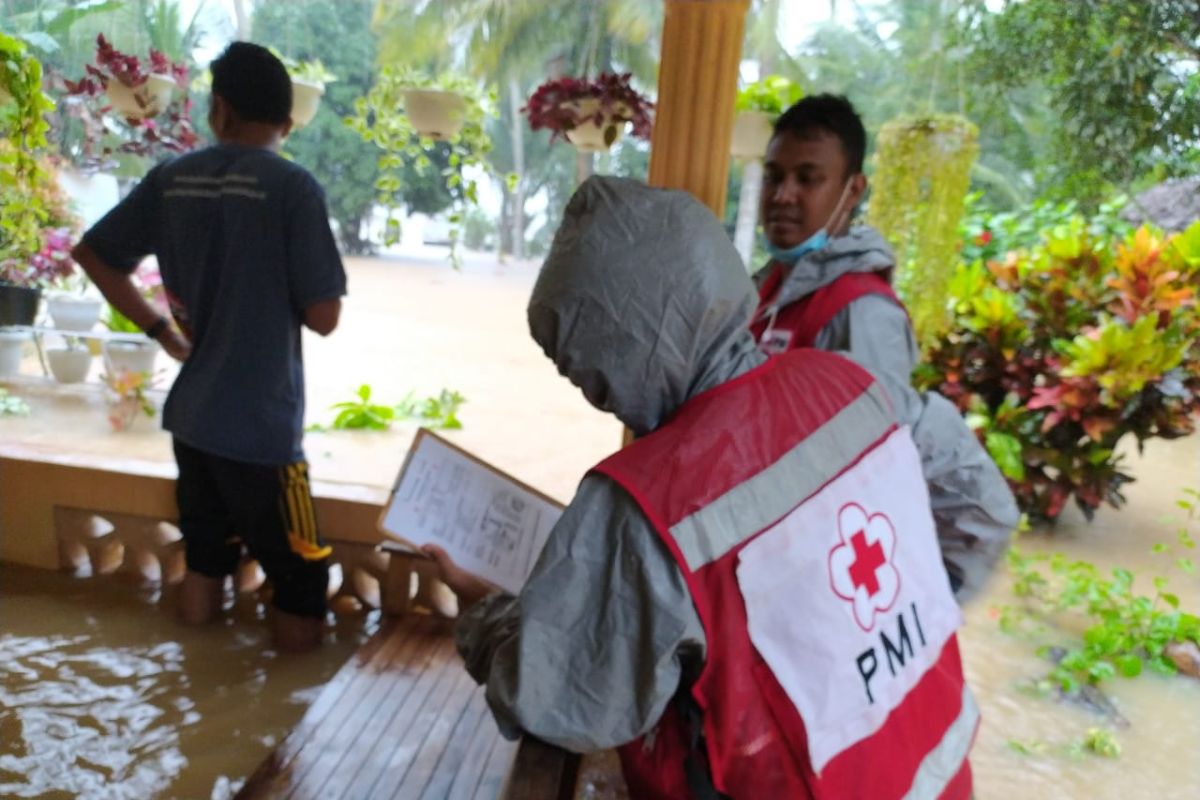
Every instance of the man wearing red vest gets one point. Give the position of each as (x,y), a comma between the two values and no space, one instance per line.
(828,286)
(747,600)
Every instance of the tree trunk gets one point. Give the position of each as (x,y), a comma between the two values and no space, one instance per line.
(518,160)
(747,214)
(504,232)
(583,166)
(242,15)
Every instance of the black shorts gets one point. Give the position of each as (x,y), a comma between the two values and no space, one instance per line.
(225,504)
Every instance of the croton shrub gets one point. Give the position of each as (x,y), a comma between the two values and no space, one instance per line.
(1060,349)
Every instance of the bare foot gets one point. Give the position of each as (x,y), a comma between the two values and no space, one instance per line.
(200,598)
(294,633)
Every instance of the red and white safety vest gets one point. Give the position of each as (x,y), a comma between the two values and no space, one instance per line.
(797,324)
(796,511)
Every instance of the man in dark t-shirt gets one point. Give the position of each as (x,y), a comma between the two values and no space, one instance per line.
(243,243)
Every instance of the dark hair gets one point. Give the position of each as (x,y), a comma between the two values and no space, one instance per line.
(254,83)
(832,113)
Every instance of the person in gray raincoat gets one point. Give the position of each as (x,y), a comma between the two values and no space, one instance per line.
(828,286)
(657,618)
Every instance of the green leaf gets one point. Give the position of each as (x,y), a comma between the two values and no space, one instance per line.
(1130,666)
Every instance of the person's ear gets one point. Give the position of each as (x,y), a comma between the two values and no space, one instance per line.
(218,114)
(858,187)
(287,128)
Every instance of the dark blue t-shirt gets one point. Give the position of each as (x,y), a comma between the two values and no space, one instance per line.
(243,243)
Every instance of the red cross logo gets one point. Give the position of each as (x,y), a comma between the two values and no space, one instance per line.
(861,571)
(868,558)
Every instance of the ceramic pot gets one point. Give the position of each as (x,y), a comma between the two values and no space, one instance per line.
(147,100)
(69,364)
(435,114)
(306,99)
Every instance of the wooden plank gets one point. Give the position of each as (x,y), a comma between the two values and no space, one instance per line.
(468,777)
(497,770)
(389,761)
(473,732)
(418,657)
(275,771)
(542,772)
(365,752)
(438,733)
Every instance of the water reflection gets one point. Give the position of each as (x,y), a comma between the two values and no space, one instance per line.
(103,695)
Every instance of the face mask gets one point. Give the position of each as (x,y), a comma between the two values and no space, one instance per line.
(813,243)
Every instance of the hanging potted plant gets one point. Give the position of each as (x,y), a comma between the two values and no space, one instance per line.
(309,79)
(755,110)
(130,106)
(388,117)
(590,114)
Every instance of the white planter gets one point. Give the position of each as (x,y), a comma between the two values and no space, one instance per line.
(69,365)
(12,348)
(306,98)
(752,132)
(147,100)
(589,136)
(436,114)
(72,312)
(131,356)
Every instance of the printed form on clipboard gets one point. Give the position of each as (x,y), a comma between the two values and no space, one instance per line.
(489,523)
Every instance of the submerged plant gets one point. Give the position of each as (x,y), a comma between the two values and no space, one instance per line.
(361,413)
(1126,632)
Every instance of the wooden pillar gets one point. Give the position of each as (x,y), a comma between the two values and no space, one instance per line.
(697,82)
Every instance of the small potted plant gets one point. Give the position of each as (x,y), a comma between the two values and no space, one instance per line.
(756,108)
(386,118)
(70,362)
(592,114)
(69,307)
(127,396)
(134,351)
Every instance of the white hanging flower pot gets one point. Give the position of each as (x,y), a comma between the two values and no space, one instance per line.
(72,312)
(306,99)
(435,114)
(590,136)
(147,100)
(69,364)
(752,132)
(132,356)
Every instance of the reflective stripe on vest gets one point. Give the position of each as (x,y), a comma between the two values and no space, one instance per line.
(723,489)
(797,324)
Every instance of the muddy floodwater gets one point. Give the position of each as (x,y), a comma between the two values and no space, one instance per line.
(104,695)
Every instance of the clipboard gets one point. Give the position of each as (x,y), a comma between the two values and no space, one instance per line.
(490,523)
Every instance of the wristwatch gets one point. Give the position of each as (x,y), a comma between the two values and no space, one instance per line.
(156,330)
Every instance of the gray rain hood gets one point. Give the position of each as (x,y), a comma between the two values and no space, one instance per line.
(641,299)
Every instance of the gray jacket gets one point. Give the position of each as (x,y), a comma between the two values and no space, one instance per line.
(972,505)
(643,304)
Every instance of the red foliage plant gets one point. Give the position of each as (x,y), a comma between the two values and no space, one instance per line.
(562,104)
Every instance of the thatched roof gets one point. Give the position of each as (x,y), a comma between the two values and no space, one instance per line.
(1172,205)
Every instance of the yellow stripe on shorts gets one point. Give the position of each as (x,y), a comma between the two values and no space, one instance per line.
(300,515)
